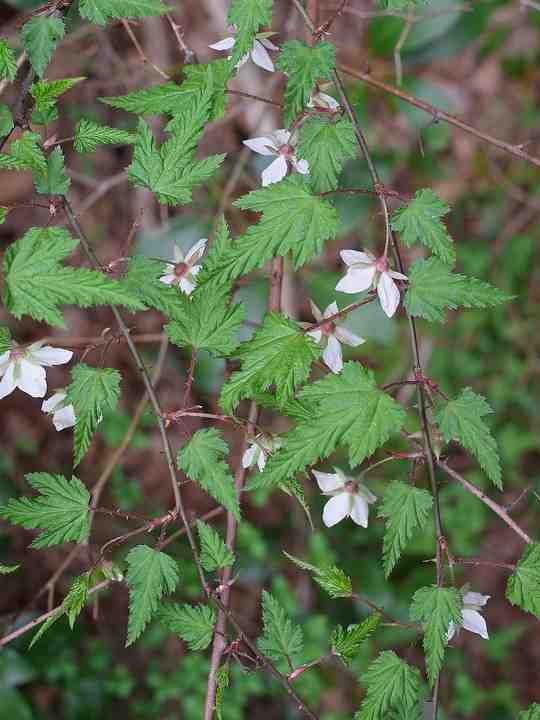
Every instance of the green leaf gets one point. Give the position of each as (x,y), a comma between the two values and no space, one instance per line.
(202,459)
(201,81)
(99,11)
(92,392)
(8,62)
(45,93)
(282,639)
(391,684)
(406,509)
(247,16)
(461,420)
(532,713)
(208,322)
(8,569)
(3,214)
(420,221)
(142,281)
(40,36)
(36,284)
(332,579)
(347,410)
(293,219)
(347,643)
(6,340)
(60,510)
(89,135)
(214,553)
(151,575)
(55,181)
(279,354)
(28,153)
(222,683)
(304,66)
(194,624)
(436,607)
(6,120)
(326,145)
(523,586)
(433,287)
(170,171)
(71,606)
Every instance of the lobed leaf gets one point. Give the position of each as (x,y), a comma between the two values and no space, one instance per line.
(194,624)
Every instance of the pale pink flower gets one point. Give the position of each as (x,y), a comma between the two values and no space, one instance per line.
(259,449)
(258,53)
(473,621)
(364,271)
(282,145)
(324,101)
(24,368)
(63,414)
(332,334)
(348,498)
(183,271)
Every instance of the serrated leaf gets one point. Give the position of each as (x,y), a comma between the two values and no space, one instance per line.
(36,284)
(40,36)
(293,220)
(8,569)
(347,410)
(8,62)
(347,643)
(247,16)
(6,120)
(214,553)
(222,683)
(532,713)
(523,586)
(208,322)
(436,607)
(45,93)
(99,11)
(151,575)
(282,639)
(326,145)
(89,135)
(54,181)
(5,339)
(279,354)
(92,392)
(71,606)
(461,420)
(201,81)
(332,579)
(202,459)
(420,221)
(194,624)
(60,510)
(142,281)
(391,684)
(304,65)
(170,171)
(28,153)
(406,509)
(433,287)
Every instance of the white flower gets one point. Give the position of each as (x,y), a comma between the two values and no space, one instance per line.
(281,144)
(365,271)
(63,415)
(184,270)
(473,621)
(349,498)
(259,449)
(324,101)
(334,336)
(258,53)
(24,368)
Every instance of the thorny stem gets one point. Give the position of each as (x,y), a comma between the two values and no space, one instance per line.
(478,563)
(344,311)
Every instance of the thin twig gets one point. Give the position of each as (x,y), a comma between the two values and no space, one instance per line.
(144,59)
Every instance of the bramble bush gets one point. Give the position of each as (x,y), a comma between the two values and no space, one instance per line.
(344,432)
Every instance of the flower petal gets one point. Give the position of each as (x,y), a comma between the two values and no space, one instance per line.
(451,631)
(301,166)
(328,482)
(7,383)
(388,294)
(186,285)
(366,493)
(225,44)
(4,360)
(178,257)
(353,257)
(261,145)
(317,314)
(268,44)
(336,509)
(260,56)
(281,137)
(196,252)
(397,275)
(50,356)
(315,334)
(475,623)
(332,355)
(347,337)
(64,418)
(168,279)
(248,458)
(32,379)
(261,460)
(332,309)
(328,101)
(356,280)
(51,403)
(360,511)
(275,172)
(474,598)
